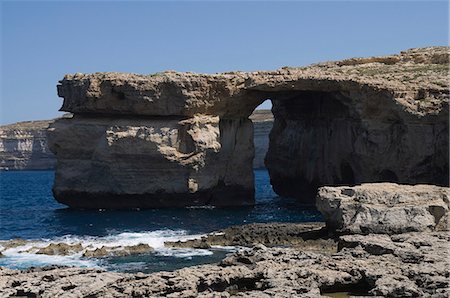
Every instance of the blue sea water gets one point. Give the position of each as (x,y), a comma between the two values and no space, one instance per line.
(28,211)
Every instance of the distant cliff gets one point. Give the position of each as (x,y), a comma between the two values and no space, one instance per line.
(23,146)
(262,124)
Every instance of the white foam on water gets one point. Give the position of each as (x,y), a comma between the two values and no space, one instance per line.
(183,252)
(26,260)
(226,248)
(25,256)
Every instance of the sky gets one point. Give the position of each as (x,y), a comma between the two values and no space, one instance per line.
(42,41)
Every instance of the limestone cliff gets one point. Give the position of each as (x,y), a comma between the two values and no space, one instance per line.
(23,146)
(157,162)
(262,125)
(185,139)
(382,119)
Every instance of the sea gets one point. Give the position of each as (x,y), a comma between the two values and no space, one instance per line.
(29,211)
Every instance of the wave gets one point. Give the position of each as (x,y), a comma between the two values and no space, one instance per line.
(25,255)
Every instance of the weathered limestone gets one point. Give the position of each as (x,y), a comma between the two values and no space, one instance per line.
(379,119)
(385,208)
(23,146)
(138,163)
(359,120)
(404,265)
(310,236)
(62,249)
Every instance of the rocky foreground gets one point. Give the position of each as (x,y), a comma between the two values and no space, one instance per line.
(293,260)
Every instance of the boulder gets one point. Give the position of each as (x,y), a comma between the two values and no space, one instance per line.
(62,249)
(384,208)
(118,251)
(96,253)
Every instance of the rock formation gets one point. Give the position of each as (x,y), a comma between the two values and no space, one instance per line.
(178,139)
(382,119)
(310,236)
(23,146)
(385,208)
(138,163)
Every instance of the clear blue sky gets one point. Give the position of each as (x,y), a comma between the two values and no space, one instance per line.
(42,41)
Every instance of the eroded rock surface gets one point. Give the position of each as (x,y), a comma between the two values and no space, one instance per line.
(23,146)
(385,208)
(66,249)
(107,162)
(305,236)
(404,265)
(105,251)
(381,119)
(179,139)
(62,249)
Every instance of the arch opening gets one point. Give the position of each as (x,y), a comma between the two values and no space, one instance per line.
(331,137)
(262,119)
(309,143)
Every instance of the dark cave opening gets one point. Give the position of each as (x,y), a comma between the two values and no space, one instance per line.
(310,142)
(360,288)
(333,138)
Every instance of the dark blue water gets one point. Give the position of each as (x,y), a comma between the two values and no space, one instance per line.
(28,211)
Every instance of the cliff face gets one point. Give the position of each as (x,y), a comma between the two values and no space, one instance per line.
(322,139)
(362,120)
(185,139)
(262,125)
(156,162)
(23,146)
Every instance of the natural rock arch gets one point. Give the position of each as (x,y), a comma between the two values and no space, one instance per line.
(178,139)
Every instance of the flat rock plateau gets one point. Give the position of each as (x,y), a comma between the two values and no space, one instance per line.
(291,260)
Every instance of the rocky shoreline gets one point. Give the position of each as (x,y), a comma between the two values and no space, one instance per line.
(291,260)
